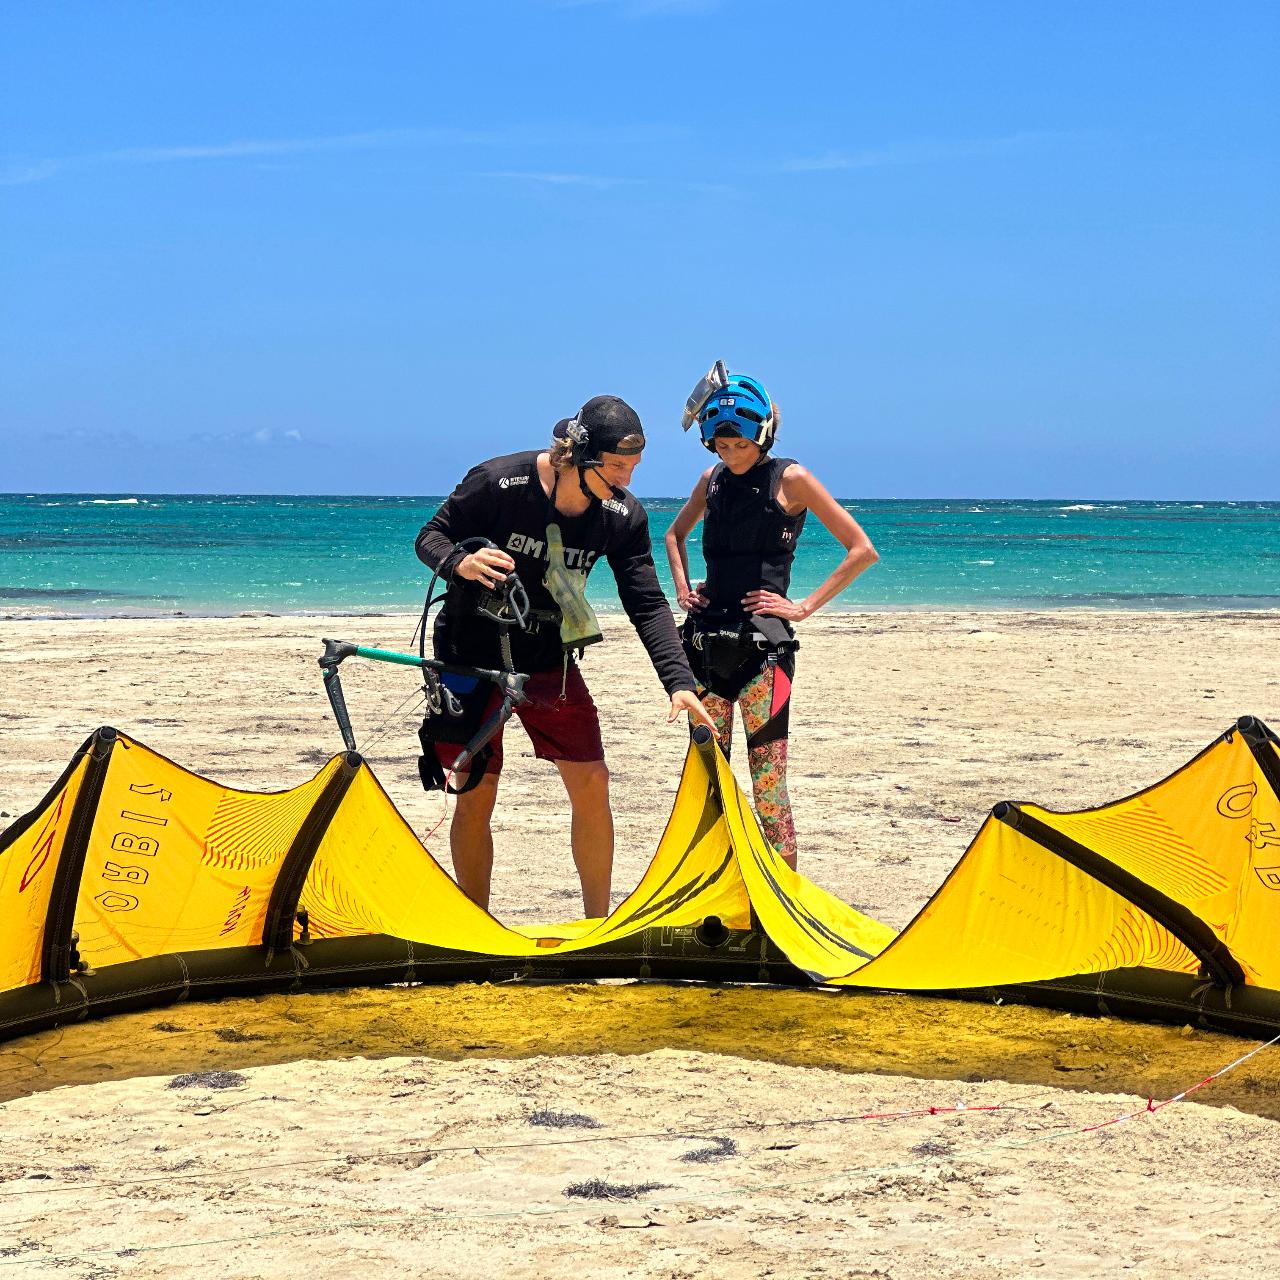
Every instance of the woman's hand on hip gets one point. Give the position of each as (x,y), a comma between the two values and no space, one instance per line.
(691,598)
(774,606)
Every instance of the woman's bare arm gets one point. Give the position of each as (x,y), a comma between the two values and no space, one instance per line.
(803,490)
(687,597)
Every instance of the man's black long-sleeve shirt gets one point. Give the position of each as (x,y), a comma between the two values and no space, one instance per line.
(503,500)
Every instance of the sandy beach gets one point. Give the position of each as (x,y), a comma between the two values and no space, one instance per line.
(401,1128)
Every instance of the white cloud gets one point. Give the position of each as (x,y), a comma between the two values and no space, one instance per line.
(599,181)
(81,437)
(645,8)
(910,153)
(257,439)
(19,172)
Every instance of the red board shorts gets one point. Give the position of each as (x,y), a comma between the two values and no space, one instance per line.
(560,728)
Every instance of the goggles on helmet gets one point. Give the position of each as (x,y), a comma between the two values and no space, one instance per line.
(716,380)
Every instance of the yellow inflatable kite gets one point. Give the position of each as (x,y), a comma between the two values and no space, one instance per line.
(137,883)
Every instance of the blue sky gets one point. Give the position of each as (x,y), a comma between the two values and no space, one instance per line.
(974,249)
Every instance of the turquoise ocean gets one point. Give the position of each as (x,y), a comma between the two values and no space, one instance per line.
(97,555)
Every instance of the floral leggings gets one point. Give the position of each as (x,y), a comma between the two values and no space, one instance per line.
(765,701)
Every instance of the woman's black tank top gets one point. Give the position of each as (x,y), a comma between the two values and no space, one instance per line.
(748,541)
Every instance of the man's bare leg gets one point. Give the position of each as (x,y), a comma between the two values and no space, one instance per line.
(471,839)
(592,831)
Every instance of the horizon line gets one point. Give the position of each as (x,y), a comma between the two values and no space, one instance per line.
(121,495)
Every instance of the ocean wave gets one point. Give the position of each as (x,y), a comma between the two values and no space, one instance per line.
(61,593)
(110,502)
(1151,600)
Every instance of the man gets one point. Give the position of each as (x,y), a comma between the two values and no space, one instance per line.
(552,514)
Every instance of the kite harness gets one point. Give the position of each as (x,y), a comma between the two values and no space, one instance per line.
(457,697)
(726,659)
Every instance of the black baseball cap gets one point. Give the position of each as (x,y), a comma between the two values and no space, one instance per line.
(608,420)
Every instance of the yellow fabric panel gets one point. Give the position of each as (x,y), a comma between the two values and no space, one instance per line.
(179,863)
(1209,838)
(552,935)
(693,873)
(27,870)
(816,931)
(1014,912)
(1252,930)
(372,874)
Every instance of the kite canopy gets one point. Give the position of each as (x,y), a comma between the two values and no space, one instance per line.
(136,883)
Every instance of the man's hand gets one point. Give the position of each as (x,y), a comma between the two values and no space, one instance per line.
(488,566)
(773,605)
(683,700)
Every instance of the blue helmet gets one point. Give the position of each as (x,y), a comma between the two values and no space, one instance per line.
(734,402)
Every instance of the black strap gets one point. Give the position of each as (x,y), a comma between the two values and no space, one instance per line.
(433,776)
(776,633)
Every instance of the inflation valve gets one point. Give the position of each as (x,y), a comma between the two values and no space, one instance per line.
(711,932)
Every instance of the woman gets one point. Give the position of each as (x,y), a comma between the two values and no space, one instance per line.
(737,633)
